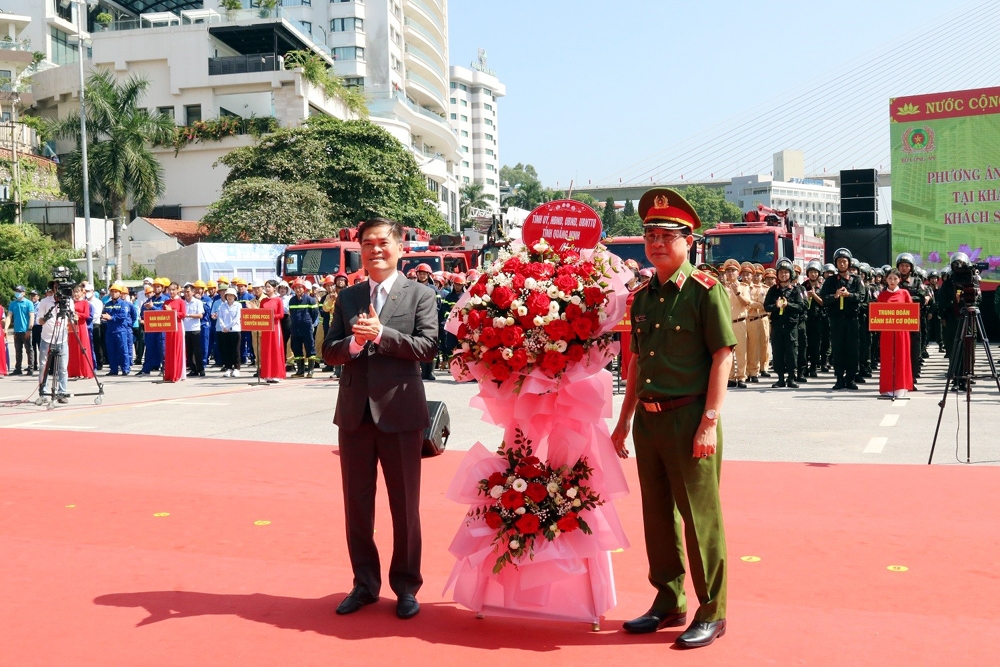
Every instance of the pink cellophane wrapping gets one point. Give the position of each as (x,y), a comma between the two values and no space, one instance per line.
(569,578)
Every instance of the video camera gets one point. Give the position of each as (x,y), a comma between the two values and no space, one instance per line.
(62,288)
(965,277)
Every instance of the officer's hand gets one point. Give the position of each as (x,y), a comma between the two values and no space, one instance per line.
(705,439)
(619,436)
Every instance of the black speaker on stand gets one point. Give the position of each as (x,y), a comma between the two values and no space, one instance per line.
(858,198)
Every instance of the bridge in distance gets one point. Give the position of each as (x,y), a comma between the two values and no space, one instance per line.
(634,191)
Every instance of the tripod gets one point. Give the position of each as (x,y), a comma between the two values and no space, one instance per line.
(962,370)
(59,329)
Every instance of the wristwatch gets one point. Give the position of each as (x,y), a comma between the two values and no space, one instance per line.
(711,415)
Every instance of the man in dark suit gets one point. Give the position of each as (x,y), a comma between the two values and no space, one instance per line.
(380,331)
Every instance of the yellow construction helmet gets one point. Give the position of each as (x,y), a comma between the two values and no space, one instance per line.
(117,287)
(200,283)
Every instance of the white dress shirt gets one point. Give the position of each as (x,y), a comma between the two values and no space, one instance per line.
(354,349)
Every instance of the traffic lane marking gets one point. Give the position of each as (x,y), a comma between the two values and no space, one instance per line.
(876,445)
(889,420)
(43,423)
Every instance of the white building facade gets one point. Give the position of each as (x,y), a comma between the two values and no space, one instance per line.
(812,202)
(473,102)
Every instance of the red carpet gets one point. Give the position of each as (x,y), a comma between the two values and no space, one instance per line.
(107,582)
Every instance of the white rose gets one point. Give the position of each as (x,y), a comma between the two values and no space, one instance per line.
(520,510)
(514,544)
(601,316)
(515,304)
(540,246)
(476,301)
(499,322)
(571,493)
(530,283)
(521,311)
(553,307)
(519,485)
(538,321)
(507,353)
(552,291)
(552,487)
(509,321)
(489,288)
(561,346)
(486,298)
(554,528)
(576,300)
(577,503)
(496,492)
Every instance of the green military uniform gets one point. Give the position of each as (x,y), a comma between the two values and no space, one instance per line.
(676,328)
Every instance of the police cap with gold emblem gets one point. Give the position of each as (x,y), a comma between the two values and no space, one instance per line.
(661,208)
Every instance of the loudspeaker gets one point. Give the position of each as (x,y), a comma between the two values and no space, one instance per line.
(858,205)
(854,190)
(436,435)
(868,244)
(860,219)
(851,176)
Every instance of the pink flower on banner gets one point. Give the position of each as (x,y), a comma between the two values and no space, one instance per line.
(934,257)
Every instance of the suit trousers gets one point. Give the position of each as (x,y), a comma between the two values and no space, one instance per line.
(844,340)
(676,486)
(361,452)
(785,348)
(740,352)
(755,336)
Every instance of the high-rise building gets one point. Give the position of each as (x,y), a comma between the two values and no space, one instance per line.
(473,115)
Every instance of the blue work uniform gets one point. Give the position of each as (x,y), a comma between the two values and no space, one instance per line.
(118,331)
(155,342)
(206,329)
(303,316)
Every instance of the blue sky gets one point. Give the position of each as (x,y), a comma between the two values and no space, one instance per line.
(593,87)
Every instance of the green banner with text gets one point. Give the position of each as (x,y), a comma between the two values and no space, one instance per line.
(946,177)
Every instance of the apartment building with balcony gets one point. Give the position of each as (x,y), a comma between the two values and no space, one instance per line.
(202,65)
(473,96)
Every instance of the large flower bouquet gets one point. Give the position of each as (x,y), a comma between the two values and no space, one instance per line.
(535,307)
(530,500)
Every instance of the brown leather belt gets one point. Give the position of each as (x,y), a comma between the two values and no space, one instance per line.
(668,404)
(759,317)
(739,320)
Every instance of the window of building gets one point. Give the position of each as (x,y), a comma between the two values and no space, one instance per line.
(465,149)
(465,133)
(465,118)
(490,181)
(489,151)
(65,13)
(465,103)
(166,111)
(192,114)
(63,51)
(307,27)
(489,122)
(354,81)
(397,65)
(488,107)
(462,86)
(452,100)
(490,167)
(433,186)
(394,35)
(487,92)
(453,86)
(294,3)
(348,53)
(454,116)
(360,2)
(489,137)
(465,179)
(465,163)
(397,12)
(349,24)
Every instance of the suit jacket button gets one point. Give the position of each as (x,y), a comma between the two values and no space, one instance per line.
(677,328)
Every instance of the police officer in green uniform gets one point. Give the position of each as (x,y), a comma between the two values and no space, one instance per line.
(682,341)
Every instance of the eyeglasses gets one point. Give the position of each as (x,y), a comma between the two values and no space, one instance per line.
(665,239)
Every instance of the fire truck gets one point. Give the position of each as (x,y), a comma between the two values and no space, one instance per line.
(764,236)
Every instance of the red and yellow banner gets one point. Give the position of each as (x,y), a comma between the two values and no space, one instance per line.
(894,317)
(917,108)
(257,319)
(160,321)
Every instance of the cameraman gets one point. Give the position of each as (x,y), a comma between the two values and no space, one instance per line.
(960,281)
(54,341)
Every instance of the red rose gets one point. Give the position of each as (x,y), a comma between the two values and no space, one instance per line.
(494,520)
(463,332)
(518,282)
(500,371)
(531,460)
(511,499)
(512,336)
(502,297)
(573,311)
(527,322)
(574,352)
(558,329)
(566,283)
(489,337)
(528,524)
(593,295)
(519,360)
(569,256)
(529,471)
(475,318)
(538,304)
(496,479)
(512,265)
(582,327)
(478,289)
(493,356)
(568,523)
(536,492)
(553,363)
(585,270)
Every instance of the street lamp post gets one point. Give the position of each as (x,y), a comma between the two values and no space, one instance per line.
(81,26)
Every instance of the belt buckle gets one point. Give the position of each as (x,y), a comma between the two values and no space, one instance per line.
(652,407)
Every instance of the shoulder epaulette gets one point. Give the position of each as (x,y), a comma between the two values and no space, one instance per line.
(703,279)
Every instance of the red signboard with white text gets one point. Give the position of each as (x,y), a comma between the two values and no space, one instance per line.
(564,222)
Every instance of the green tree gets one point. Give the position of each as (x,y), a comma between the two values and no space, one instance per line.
(711,205)
(585,198)
(266,210)
(472,196)
(315,70)
(27,258)
(529,195)
(609,215)
(122,167)
(363,170)
(629,223)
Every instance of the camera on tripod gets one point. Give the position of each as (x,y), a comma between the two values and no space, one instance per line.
(62,288)
(965,277)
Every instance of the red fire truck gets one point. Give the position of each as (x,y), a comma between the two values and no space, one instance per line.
(764,236)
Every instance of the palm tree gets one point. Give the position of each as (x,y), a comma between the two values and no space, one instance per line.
(473,197)
(122,167)
(528,196)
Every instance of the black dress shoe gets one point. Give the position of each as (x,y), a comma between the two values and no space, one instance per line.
(652,621)
(357,599)
(754,379)
(765,374)
(779,384)
(701,634)
(839,384)
(407,607)
(741,384)
(860,380)
(852,385)
(801,378)
(731,384)
(792,384)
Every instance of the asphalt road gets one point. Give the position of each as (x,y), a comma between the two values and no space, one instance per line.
(810,424)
